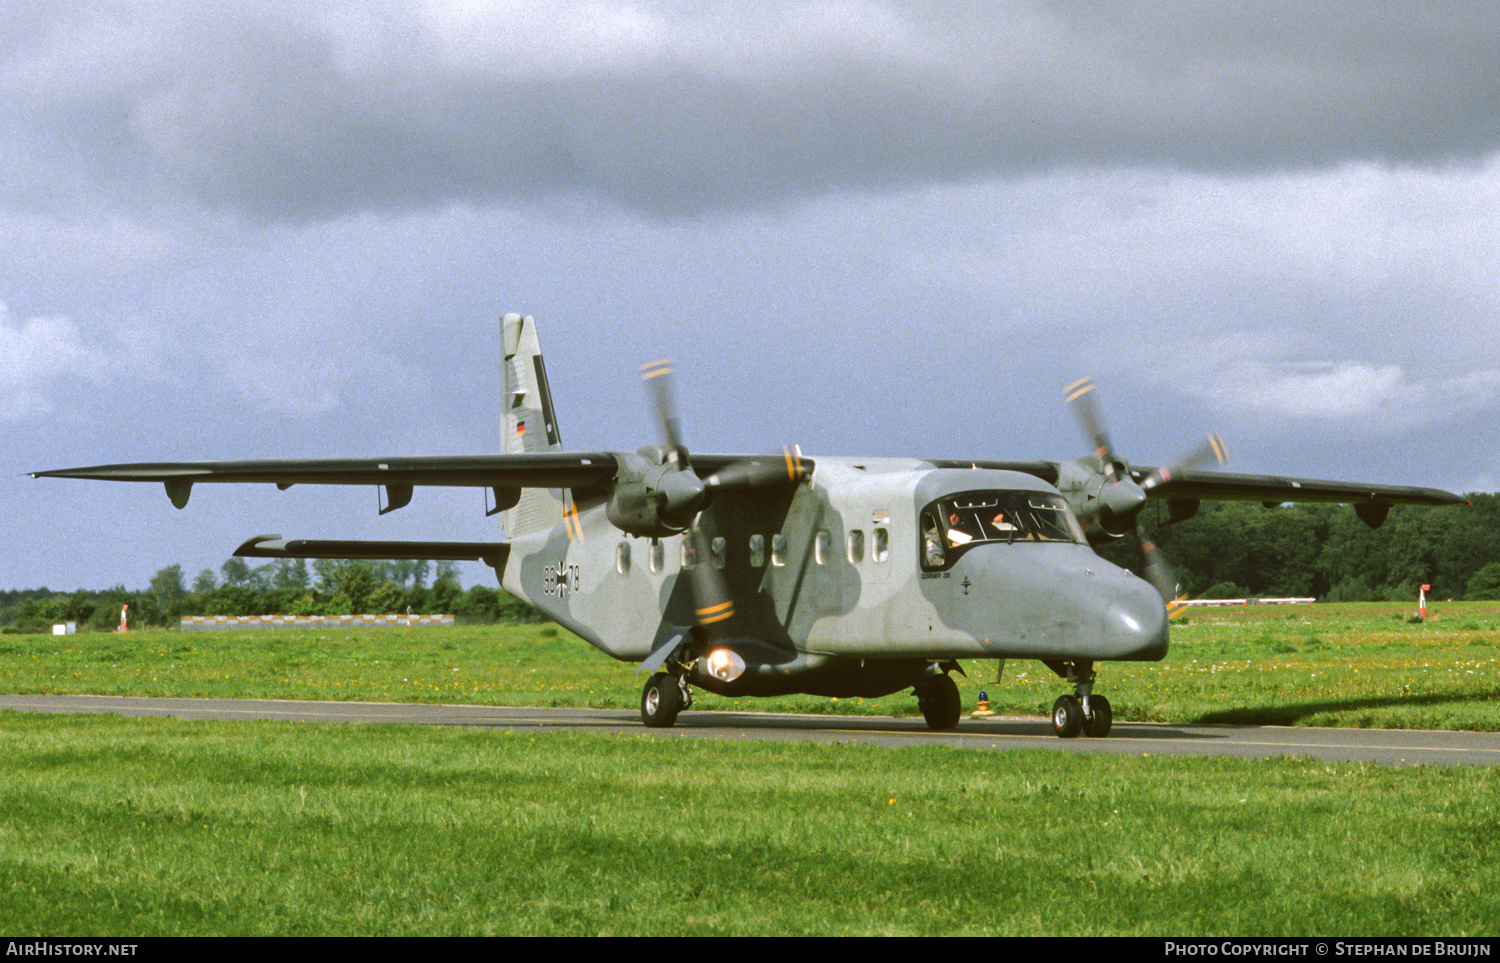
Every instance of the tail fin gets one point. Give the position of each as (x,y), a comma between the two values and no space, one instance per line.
(527,423)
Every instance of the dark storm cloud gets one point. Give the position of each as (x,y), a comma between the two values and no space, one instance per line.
(678,109)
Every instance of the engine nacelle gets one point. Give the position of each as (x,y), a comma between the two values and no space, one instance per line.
(1107,509)
(654,498)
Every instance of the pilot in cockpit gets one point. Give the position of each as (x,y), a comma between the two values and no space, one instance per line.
(960,529)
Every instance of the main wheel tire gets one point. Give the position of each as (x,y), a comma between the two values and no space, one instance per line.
(1067,717)
(661,700)
(1097,722)
(940,703)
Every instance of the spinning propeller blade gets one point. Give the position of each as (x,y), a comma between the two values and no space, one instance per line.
(1119,498)
(1211,448)
(1080,395)
(683,491)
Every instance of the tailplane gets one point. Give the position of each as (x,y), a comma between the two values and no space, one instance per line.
(528,424)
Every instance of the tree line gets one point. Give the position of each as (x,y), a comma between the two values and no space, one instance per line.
(281,587)
(1243,549)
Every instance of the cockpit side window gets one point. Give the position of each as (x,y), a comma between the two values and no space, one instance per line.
(933,556)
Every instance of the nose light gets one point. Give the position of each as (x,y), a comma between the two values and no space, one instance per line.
(725,665)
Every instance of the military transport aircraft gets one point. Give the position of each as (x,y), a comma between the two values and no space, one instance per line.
(757,575)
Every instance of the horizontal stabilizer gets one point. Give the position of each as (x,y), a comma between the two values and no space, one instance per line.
(492,554)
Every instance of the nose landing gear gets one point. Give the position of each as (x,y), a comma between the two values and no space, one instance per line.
(664,696)
(1083,711)
(939,701)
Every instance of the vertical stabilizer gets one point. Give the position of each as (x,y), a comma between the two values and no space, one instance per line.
(528,423)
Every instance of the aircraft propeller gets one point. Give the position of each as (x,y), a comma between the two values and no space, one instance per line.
(1118,502)
(680,494)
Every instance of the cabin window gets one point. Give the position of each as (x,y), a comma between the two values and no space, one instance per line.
(718,552)
(856,544)
(778,550)
(689,552)
(622,558)
(658,555)
(821,545)
(757,551)
(882,544)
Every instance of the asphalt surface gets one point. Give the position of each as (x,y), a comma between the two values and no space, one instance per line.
(1383,746)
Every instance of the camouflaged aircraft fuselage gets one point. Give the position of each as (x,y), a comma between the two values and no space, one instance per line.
(835,589)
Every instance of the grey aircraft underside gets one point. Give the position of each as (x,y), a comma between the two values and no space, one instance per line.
(763,575)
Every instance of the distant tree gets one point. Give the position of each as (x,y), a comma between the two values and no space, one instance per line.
(445,595)
(388,599)
(262,577)
(205,583)
(345,583)
(166,590)
(236,571)
(1352,588)
(327,572)
(290,573)
(1485,585)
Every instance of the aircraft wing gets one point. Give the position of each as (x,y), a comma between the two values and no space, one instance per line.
(1275,489)
(552,469)
(1226,486)
(530,470)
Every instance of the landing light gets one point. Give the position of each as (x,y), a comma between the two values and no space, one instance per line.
(725,665)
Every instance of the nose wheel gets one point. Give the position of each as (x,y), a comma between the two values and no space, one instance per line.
(1083,711)
(662,699)
(940,703)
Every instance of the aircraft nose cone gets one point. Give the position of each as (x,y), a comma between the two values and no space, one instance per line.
(1137,626)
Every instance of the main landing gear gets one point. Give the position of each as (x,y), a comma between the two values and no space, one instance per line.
(939,701)
(1082,712)
(664,696)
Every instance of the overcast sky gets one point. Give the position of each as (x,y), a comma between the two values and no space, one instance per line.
(238,229)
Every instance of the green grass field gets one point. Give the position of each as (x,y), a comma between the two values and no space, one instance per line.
(1339,665)
(117,827)
(122,827)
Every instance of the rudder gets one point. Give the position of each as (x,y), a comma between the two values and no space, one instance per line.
(528,423)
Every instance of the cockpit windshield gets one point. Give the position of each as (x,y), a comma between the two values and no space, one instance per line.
(952,524)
